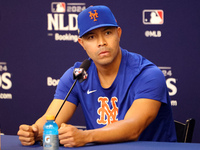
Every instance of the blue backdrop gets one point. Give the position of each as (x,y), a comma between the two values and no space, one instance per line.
(38,43)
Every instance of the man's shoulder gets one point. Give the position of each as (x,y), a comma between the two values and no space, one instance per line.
(135,61)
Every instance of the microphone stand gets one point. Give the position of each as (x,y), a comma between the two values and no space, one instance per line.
(85,65)
(66,98)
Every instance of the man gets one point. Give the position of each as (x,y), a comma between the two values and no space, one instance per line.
(124,98)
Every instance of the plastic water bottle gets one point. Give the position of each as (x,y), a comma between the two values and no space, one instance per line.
(50,134)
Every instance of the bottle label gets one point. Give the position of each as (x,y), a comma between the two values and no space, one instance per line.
(50,142)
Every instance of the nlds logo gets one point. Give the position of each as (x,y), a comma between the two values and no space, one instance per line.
(5,77)
(63,17)
(171,83)
(5,81)
(153,17)
(78,71)
(80,74)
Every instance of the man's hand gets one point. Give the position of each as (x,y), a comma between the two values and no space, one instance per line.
(70,136)
(27,134)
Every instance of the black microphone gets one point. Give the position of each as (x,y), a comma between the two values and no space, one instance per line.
(85,64)
(79,74)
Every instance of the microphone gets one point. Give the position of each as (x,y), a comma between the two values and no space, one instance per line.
(79,74)
(85,64)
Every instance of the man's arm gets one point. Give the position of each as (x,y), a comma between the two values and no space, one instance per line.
(139,116)
(29,134)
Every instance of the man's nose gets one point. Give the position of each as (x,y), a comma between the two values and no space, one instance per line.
(101,41)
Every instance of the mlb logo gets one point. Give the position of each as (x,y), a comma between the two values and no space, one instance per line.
(58,7)
(153,17)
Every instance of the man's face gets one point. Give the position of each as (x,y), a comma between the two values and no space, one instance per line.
(102,44)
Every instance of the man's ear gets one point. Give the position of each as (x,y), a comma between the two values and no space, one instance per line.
(80,40)
(119,30)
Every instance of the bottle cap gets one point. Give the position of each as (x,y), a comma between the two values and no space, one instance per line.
(50,117)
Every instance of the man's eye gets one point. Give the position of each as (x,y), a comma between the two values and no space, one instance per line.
(108,32)
(91,37)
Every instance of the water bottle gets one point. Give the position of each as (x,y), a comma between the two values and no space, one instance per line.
(50,134)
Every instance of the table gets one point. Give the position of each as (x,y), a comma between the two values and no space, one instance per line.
(11,142)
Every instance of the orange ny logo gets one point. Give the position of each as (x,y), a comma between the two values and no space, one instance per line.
(107,115)
(94,15)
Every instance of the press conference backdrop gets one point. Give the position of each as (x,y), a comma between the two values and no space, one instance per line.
(38,43)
